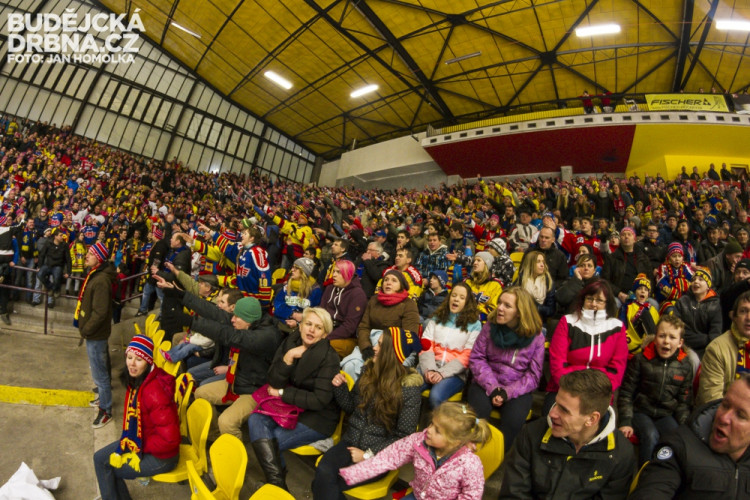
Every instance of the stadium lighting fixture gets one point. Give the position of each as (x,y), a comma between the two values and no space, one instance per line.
(732,25)
(196,35)
(601,29)
(364,90)
(278,80)
(463,58)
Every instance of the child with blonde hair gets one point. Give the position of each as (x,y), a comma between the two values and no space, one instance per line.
(447,446)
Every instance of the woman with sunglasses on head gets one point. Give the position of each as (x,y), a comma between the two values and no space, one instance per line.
(591,336)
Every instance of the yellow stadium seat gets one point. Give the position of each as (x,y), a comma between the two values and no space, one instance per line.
(492,453)
(456,397)
(307,450)
(171,367)
(278,275)
(151,325)
(198,489)
(137,329)
(183,389)
(228,462)
(377,489)
(199,420)
(271,492)
(158,337)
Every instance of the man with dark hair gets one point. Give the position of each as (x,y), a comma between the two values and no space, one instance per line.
(556,261)
(577,452)
(652,247)
(727,355)
(706,458)
(339,251)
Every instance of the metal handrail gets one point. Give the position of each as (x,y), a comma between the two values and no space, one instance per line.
(46,293)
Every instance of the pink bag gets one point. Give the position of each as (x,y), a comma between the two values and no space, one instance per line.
(282,413)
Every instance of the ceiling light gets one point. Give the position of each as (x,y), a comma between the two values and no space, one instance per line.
(463,58)
(601,29)
(196,35)
(364,90)
(731,25)
(278,80)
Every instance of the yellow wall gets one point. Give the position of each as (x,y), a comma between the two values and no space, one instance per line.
(666,148)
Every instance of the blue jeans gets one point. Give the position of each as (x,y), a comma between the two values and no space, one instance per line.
(443,390)
(43,279)
(112,480)
(264,427)
(148,291)
(182,351)
(649,431)
(204,374)
(101,372)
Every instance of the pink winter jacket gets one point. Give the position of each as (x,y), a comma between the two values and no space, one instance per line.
(461,477)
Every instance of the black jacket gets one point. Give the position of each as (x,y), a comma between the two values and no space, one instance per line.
(307,382)
(702,319)
(656,387)
(55,256)
(372,272)
(615,269)
(566,294)
(542,466)
(210,311)
(556,263)
(257,346)
(363,432)
(656,252)
(684,467)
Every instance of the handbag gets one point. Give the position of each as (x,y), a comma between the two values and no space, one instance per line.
(284,414)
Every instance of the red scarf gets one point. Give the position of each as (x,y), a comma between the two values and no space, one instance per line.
(234,353)
(391,299)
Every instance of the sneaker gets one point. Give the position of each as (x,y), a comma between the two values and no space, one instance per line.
(51,302)
(94,402)
(102,419)
(95,390)
(140,313)
(166,355)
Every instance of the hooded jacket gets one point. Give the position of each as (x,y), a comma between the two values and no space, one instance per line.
(685,468)
(346,306)
(656,387)
(543,466)
(702,319)
(461,476)
(591,341)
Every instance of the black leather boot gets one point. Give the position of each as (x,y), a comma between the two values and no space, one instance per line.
(269,459)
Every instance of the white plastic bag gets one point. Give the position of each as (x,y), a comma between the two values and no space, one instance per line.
(25,485)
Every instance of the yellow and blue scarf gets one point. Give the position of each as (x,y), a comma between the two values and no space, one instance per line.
(130,449)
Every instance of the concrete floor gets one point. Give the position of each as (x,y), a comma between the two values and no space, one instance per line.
(59,441)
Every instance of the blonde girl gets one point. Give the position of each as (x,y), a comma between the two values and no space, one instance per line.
(444,449)
(534,277)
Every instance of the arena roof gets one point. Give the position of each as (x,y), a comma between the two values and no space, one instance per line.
(523,53)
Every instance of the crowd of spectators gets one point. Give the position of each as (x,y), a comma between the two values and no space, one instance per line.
(480,271)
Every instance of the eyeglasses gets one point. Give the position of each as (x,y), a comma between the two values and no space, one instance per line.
(593,300)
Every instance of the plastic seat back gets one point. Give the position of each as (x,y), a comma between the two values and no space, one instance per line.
(271,492)
(151,325)
(199,420)
(228,462)
(198,489)
(158,338)
(492,453)
(184,385)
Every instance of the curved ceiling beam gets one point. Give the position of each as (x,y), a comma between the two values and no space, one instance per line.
(684,47)
(393,42)
(224,25)
(704,35)
(167,24)
(279,47)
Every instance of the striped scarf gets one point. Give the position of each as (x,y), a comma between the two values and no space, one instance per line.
(79,303)
(743,359)
(234,353)
(130,449)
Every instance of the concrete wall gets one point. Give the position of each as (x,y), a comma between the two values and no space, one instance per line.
(390,165)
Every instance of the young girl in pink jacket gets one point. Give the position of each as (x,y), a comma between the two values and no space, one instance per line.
(445,465)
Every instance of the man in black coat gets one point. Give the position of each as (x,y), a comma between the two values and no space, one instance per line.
(707,458)
(624,264)
(156,257)
(373,266)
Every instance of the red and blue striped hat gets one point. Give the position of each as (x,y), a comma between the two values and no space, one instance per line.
(100,251)
(143,347)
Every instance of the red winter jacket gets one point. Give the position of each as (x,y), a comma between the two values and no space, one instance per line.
(160,424)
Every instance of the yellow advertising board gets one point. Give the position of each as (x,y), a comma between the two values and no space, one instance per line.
(687,102)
